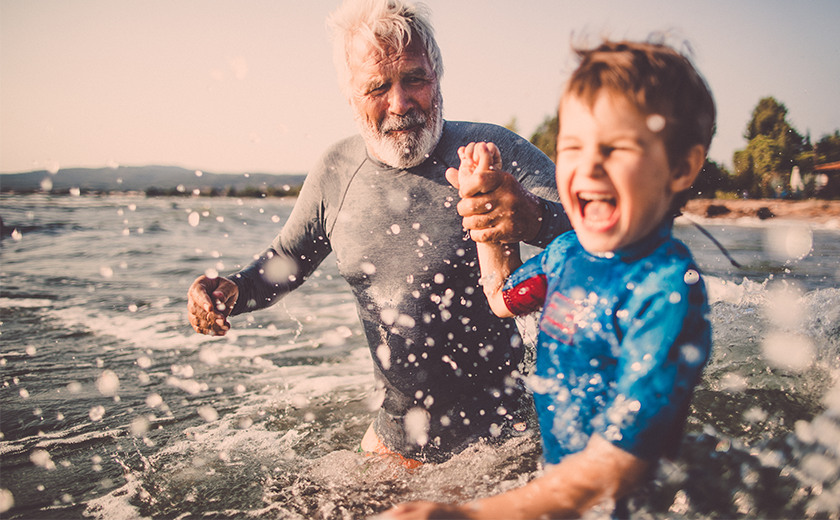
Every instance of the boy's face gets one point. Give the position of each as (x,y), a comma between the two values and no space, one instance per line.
(613,175)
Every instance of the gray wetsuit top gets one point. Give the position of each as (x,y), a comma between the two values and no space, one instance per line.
(442,360)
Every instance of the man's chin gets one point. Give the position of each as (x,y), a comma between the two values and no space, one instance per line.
(401,155)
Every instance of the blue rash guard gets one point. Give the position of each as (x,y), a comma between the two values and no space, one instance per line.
(437,348)
(623,339)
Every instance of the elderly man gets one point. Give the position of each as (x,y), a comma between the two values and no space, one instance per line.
(444,365)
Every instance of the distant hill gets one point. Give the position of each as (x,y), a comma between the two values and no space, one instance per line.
(143,178)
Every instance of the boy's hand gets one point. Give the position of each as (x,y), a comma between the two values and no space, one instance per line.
(480,171)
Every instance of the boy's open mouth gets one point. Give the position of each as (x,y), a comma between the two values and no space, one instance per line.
(597,208)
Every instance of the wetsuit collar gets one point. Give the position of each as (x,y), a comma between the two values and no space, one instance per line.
(643,247)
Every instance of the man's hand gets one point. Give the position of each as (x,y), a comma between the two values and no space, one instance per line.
(210,303)
(495,207)
(422,511)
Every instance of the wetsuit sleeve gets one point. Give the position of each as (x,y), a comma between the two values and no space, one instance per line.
(666,343)
(293,256)
(525,289)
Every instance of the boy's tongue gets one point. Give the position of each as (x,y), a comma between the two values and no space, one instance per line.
(598,210)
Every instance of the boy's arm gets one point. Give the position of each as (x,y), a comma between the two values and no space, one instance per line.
(481,167)
(497,261)
(581,481)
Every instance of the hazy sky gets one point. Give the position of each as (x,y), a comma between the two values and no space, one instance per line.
(249,85)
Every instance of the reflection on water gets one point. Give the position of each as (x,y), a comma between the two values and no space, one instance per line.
(113,408)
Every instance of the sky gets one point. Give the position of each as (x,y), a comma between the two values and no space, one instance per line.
(229,86)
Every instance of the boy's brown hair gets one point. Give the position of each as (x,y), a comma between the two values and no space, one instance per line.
(656,79)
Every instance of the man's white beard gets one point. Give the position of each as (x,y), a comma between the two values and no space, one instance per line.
(405,150)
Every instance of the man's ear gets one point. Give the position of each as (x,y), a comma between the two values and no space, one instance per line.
(684,175)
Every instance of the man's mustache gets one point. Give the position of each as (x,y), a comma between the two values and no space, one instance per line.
(399,123)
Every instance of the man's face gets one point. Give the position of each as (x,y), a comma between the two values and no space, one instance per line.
(613,174)
(396,102)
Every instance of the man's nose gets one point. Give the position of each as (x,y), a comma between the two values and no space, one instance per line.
(399,102)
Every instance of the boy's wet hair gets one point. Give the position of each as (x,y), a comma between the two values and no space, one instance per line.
(657,80)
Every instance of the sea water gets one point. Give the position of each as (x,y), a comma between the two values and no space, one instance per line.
(112,407)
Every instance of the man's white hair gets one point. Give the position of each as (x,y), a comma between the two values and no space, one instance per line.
(383,24)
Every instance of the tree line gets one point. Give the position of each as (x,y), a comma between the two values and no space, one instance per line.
(761,170)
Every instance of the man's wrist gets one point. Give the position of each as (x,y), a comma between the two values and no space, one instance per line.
(549,225)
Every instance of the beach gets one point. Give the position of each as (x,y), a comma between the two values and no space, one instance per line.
(813,210)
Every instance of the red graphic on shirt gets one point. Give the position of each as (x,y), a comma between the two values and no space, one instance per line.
(558,319)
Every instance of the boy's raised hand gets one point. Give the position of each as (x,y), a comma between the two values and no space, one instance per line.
(480,171)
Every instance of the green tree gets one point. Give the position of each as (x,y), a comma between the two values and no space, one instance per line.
(774,148)
(545,137)
(712,178)
(827,149)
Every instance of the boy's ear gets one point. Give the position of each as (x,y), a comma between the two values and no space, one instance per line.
(686,172)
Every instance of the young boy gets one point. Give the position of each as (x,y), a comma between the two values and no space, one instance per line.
(623,335)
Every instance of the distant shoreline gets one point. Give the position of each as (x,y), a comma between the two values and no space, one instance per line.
(811,210)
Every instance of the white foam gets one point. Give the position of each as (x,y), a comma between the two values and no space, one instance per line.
(24,303)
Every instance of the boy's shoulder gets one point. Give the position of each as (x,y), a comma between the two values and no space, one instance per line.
(671,268)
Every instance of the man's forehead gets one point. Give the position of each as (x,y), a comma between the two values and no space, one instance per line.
(365,56)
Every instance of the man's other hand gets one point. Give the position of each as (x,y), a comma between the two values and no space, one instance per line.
(210,303)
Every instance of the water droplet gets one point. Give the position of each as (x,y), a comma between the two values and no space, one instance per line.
(655,123)
(139,425)
(789,242)
(42,458)
(691,277)
(383,353)
(108,383)
(193,219)
(154,400)
(788,351)
(417,426)
(97,413)
(208,413)
(7,500)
